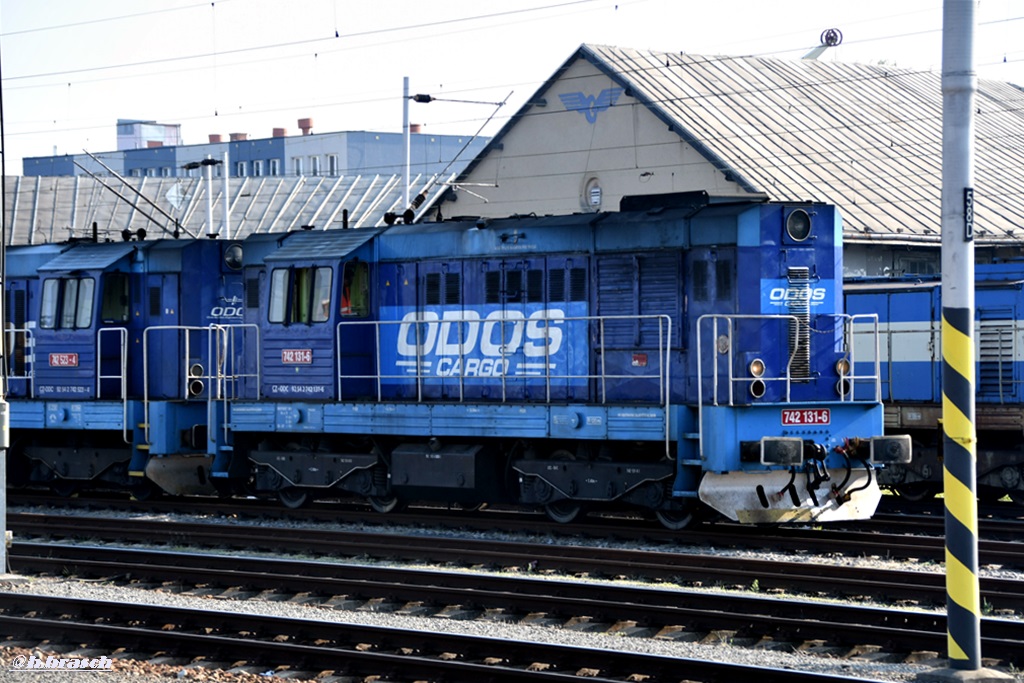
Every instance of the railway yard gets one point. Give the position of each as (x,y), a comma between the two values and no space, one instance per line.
(213,591)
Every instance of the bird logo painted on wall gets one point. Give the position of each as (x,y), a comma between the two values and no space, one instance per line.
(591,106)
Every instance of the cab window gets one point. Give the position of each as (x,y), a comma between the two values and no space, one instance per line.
(300,295)
(67,303)
(355,289)
(114,307)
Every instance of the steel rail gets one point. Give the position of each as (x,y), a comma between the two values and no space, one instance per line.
(777,617)
(354,649)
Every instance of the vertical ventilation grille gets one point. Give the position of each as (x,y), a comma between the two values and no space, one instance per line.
(492,287)
(433,289)
(995,366)
(534,286)
(578,284)
(453,288)
(798,306)
(155,309)
(19,308)
(252,292)
(556,285)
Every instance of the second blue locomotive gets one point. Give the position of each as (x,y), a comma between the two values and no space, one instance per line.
(910,351)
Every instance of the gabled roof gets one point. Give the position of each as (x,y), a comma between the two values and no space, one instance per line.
(866,138)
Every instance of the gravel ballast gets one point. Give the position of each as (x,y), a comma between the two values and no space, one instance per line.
(862,667)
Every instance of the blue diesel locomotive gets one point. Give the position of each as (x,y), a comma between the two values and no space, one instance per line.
(910,352)
(671,359)
(106,343)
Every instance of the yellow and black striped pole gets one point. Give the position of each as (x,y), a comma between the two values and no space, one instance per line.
(962,588)
(959,84)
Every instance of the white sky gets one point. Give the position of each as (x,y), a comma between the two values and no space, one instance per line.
(71,68)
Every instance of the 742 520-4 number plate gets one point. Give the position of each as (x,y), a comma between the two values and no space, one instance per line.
(806,416)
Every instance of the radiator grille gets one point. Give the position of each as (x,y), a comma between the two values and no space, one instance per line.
(799,330)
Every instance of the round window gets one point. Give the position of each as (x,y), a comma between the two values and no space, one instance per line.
(592,195)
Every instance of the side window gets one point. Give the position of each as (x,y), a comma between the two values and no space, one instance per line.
(86,292)
(67,318)
(114,308)
(355,289)
(321,294)
(278,295)
(48,314)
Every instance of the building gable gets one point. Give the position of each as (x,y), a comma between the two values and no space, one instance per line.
(581,143)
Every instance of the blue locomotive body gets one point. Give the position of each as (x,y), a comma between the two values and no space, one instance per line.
(668,360)
(910,354)
(649,359)
(108,348)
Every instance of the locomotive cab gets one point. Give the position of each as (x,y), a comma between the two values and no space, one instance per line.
(118,370)
(782,436)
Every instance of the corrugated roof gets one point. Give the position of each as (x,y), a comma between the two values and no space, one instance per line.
(866,138)
(89,257)
(53,209)
(330,244)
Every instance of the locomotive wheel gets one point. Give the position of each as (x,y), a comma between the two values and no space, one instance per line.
(293,497)
(65,488)
(383,505)
(144,490)
(990,494)
(563,512)
(675,520)
(917,492)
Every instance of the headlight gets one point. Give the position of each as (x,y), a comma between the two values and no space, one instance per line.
(798,225)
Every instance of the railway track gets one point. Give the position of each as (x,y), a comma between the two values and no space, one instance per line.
(317,646)
(693,569)
(844,542)
(793,619)
(886,535)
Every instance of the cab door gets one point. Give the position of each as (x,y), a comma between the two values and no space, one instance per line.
(113,334)
(165,348)
(19,351)
(447,333)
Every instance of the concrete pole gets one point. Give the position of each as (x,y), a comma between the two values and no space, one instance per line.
(227,199)
(407,141)
(5,415)
(209,197)
(963,591)
(959,83)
